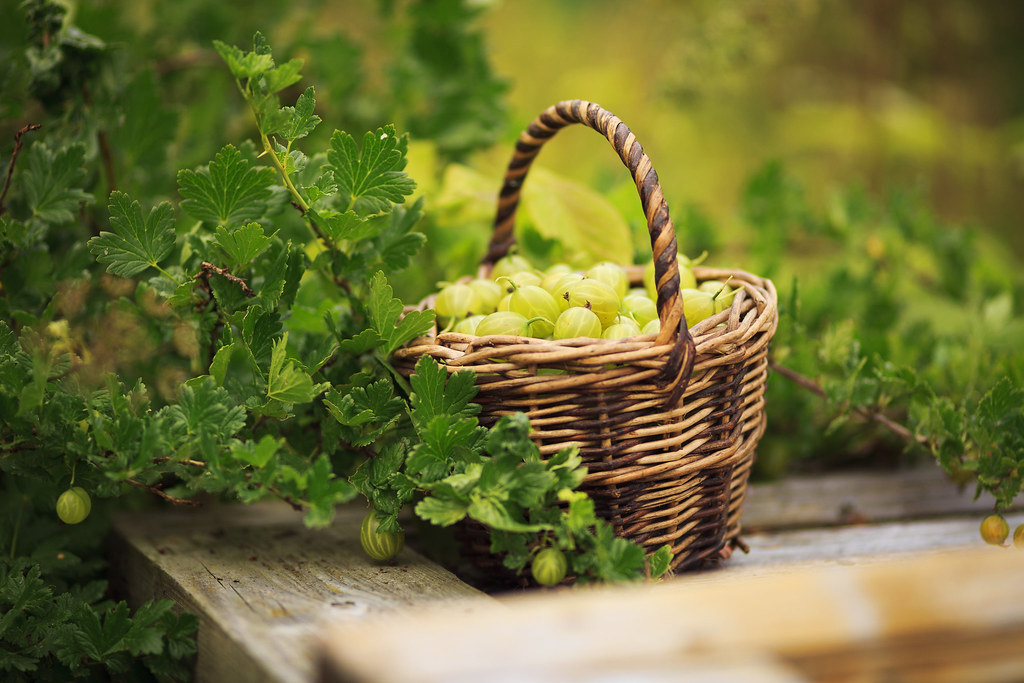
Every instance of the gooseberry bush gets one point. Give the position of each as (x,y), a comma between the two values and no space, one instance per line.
(230,341)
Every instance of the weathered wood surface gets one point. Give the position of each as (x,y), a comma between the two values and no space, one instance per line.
(858,497)
(936,617)
(266,589)
(264,586)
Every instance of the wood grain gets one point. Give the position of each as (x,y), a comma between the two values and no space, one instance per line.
(264,586)
(937,616)
(858,497)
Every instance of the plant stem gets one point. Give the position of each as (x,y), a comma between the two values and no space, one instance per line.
(399,379)
(166,496)
(14,157)
(811,385)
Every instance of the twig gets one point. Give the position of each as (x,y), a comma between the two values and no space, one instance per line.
(166,496)
(186,461)
(208,268)
(295,506)
(814,387)
(14,156)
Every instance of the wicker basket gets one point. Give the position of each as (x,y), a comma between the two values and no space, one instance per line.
(666,425)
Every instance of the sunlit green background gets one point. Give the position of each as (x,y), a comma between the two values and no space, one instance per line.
(875,93)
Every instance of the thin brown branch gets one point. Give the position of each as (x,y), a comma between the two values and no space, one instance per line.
(208,268)
(186,461)
(295,506)
(812,386)
(18,143)
(797,378)
(166,496)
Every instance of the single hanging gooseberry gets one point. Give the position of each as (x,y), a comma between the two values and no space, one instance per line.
(994,529)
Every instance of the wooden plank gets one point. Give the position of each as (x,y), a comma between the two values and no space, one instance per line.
(264,586)
(858,497)
(856,543)
(936,616)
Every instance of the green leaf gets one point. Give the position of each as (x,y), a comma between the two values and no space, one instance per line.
(586,223)
(348,226)
(324,490)
(324,186)
(299,121)
(436,393)
(384,312)
(659,561)
(370,180)
(365,341)
(256,454)
(51,181)
(220,362)
(228,190)
(396,244)
(287,382)
(282,76)
(204,409)
(441,512)
(243,65)
(242,244)
(368,412)
(136,243)
(488,511)
(259,329)
(510,437)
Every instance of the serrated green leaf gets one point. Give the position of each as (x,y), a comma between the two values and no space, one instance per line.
(259,329)
(243,65)
(228,190)
(384,312)
(242,244)
(299,121)
(282,76)
(256,454)
(396,244)
(220,362)
(324,186)
(348,226)
(324,490)
(441,512)
(497,516)
(287,382)
(365,341)
(436,393)
(204,409)
(52,181)
(370,179)
(136,243)
(282,265)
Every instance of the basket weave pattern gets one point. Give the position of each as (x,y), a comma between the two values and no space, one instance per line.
(666,424)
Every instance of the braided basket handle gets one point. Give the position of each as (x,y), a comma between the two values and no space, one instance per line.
(652,199)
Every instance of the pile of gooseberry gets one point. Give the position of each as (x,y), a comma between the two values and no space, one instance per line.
(562,303)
